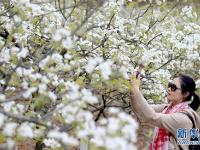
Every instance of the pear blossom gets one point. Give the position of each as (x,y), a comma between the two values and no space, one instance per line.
(51,143)
(105,68)
(64,137)
(88,97)
(28,92)
(92,64)
(2,97)
(67,56)
(9,129)
(11,143)
(67,43)
(26,131)
(52,96)
(4,55)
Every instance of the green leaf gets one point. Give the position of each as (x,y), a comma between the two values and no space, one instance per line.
(15,80)
(2,138)
(81,81)
(41,101)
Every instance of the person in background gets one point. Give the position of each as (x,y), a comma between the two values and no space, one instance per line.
(168,118)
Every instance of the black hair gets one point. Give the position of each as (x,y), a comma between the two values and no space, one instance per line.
(188,85)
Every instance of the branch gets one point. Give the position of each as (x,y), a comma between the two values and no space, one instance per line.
(56,11)
(93,27)
(153,39)
(108,26)
(14,98)
(139,16)
(131,41)
(20,118)
(61,10)
(151,25)
(72,10)
(167,62)
(85,20)
(25,119)
(5,34)
(101,109)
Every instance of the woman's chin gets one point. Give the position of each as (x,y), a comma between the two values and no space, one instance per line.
(169,101)
(168,98)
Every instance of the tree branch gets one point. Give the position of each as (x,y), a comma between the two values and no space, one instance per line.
(25,119)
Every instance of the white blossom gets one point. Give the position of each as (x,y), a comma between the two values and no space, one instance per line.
(67,56)
(198,84)
(105,68)
(28,72)
(9,129)
(21,108)
(67,43)
(114,110)
(187,10)
(56,57)
(17,19)
(45,80)
(25,84)
(4,55)
(123,70)
(2,97)
(23,53)
(64,137)
(29,91)
(15,50)
(51,143)
(43,63)
(113,125)
(52,96)
(19,71)
(92,64)
(8,106)
(61,33)
(42,87)
(10,143)
(25,130)
(88,97)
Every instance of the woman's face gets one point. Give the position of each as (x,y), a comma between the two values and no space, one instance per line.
(174,93)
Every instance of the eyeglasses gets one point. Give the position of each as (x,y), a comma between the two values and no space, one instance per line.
(173,87)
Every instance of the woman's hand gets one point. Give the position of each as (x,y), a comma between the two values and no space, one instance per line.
(135,82)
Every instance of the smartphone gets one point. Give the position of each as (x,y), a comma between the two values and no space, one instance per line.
(138,74)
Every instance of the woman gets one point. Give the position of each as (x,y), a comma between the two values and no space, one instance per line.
(167,119)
